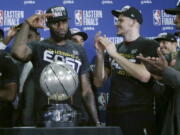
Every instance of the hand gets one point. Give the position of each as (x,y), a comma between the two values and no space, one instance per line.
(156,77)
(37,21)
(155,65)
(12,32)
(99,47)
(109,45)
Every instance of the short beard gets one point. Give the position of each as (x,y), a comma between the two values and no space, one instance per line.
(58,37)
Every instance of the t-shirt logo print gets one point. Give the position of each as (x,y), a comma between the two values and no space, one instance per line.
(75,52)
(134,51)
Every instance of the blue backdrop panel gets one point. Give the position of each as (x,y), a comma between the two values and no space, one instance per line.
(91,16)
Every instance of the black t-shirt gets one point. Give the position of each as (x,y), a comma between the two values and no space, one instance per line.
(8,69)
(8,74)
(126,91)
(45,52)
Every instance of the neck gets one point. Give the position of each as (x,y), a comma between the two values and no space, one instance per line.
(131,36)
(61,42)
(174,50)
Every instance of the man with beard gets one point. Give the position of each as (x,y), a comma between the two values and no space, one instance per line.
(57,48)
(169,72)
(131,97)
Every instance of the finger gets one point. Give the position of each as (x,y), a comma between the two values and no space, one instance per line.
(98,33)
(47,15)
(160,54)
(140,56)
(153,58)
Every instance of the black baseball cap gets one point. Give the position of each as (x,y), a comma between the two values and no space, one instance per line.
(59,12)
(173,11)
(166,37)
(76,31)
(129,11)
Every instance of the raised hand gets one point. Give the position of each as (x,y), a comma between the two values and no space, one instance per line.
(12,31)
(37,21)
(155,65)
(108,45)
(99,47)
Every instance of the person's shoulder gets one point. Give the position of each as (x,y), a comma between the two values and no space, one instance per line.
(70,42)
(39,43)
(146,41)
(74,44)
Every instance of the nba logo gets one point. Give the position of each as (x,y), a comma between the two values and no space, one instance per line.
(157,17)
(1,17)
(78,17)
(39,12)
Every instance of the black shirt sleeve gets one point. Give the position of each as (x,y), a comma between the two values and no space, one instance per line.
(8,69)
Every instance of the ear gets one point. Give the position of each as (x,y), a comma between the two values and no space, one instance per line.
(133,21)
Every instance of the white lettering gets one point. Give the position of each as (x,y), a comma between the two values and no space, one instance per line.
(48,56)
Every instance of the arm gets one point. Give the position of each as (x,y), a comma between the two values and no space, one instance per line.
(159,67)
(11,33)
(9,78)
(137,71)
(88,97)
(8,93)
(20,50)
(171,77)
(100,73)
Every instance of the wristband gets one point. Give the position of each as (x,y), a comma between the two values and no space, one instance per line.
(98,123)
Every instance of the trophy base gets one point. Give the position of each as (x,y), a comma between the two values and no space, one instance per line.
(60,115)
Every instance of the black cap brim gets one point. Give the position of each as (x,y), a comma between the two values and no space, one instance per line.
(172,11)
(83,34)
(160,39)
(116,13)
(49,20)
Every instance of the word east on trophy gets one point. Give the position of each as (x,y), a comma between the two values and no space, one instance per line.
(59,81)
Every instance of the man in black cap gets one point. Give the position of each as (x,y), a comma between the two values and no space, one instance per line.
(57,48)
(168,42)
(168,71)
(78,36)
(131,97)
(168,45)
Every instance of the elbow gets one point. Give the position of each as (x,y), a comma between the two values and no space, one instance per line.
(19,55)
(98,83)
(145,78)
